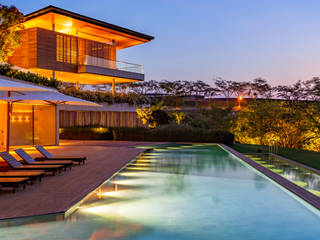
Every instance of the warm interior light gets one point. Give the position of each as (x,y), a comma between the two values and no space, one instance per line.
(67,24)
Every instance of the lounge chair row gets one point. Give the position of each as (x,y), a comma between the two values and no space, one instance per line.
(20,174)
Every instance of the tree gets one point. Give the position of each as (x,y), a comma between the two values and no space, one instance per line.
(218,118)
(259,88)
(10,35)
(224,87)
(179,116)
(238,88)
(160,117)
(147,115)
(264,122)
(295,92)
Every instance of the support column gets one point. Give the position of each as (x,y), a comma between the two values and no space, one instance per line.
(57,124)
(8,124)
(113,87)
(77,85)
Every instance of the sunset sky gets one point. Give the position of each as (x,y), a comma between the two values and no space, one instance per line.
(239,40)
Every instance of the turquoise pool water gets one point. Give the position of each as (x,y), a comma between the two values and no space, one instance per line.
(182,192)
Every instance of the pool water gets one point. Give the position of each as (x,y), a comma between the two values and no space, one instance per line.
(182,192)
(304,178)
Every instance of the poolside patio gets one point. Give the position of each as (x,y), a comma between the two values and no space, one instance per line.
(56,194)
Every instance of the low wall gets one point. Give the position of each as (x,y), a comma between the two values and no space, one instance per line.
(101,118)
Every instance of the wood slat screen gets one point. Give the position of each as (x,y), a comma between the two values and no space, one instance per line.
(105,119)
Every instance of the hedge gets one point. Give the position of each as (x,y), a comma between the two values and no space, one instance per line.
(166,133)
(173,134)
(86,133)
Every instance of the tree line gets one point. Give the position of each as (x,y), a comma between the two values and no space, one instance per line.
(257,88)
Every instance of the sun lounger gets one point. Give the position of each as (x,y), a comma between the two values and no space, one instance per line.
(14,163)
(29,160)
(13,182)
(33,175)
(47,156)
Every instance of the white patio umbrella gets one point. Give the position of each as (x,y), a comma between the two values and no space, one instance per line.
(49,97)
(7,84)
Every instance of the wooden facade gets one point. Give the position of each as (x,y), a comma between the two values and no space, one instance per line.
(25,55)
(97,118)
(45,49)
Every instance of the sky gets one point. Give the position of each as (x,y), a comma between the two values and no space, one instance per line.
(238,40)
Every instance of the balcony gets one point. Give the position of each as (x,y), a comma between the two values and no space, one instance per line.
(117,69)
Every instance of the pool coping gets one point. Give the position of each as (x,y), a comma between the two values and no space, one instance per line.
(299,191)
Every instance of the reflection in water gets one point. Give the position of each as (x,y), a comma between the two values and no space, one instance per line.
(181,192)
(298,175)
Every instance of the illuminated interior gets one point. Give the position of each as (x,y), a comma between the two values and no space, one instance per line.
(32,125)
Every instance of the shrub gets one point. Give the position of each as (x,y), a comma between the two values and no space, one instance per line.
(107,97)
(173,133)
(160,117)
(9,71)
(86,133)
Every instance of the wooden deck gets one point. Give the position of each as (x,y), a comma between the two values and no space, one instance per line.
(56,194)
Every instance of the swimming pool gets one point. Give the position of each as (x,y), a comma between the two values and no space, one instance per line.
(182,192)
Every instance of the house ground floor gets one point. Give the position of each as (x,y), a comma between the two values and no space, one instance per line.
(28,125)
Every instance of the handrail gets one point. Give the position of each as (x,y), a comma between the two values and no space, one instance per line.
(106,63)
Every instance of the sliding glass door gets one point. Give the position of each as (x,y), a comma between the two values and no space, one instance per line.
(44,125)
(21,125)
(32,125)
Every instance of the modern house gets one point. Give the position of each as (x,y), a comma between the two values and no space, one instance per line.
(76,49)
(71,48)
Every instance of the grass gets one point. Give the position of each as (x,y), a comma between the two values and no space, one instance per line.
(309,158)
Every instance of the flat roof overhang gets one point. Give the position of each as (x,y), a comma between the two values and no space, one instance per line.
(78,25)
(89,76)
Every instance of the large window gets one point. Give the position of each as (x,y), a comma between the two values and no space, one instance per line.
(66,49)
(32,125)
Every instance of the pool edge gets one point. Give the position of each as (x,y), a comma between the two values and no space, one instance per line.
(308,197)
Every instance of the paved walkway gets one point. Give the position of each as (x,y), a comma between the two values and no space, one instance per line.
(58,193)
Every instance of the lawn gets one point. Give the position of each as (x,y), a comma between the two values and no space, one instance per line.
(309,158)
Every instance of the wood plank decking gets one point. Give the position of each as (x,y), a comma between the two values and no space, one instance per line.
(56,194)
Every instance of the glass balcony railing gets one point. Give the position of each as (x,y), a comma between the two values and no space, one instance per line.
(105,63)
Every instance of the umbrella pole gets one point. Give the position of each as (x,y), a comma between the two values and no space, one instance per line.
(8,123)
